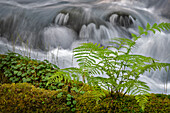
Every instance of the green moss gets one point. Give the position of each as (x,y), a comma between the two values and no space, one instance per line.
(24,97)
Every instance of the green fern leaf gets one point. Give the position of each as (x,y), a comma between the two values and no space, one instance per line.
(141,30)
(148,26)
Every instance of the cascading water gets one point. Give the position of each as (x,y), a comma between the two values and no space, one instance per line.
(52,28)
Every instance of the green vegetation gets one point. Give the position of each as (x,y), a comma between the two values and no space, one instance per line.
(50,89)
(18,69)
(24,97)
(122,67)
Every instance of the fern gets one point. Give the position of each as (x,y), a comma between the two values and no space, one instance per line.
(122,68)
(59,76)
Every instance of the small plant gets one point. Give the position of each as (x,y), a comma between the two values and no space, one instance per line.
(21,69)
(122,68)
(71,102)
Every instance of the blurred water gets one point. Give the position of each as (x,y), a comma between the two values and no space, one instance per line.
(50,29)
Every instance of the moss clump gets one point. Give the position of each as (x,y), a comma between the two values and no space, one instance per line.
(24,97)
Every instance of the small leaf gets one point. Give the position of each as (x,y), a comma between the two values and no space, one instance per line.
(24,79)
(73,109)
(68,98)
(19,73)
(32,71)
(82,92)
(134,36)
(68,103)
(68,95)
(154,25)
(74,102)
(15,72)
(76,90)
(158,29)
(148,26)
(152,30)
(141,30)
(28,79)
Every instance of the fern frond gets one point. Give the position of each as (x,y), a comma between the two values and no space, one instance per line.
(59,76)
(162,26)
(142,100)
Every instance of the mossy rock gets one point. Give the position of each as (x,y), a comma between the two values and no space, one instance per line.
(24,97)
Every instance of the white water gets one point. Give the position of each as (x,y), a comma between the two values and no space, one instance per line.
(155,46)
(91,25)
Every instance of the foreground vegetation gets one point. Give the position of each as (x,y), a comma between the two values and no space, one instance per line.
(39,86)
(24,97)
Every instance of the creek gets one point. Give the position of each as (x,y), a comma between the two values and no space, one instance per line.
(50,29)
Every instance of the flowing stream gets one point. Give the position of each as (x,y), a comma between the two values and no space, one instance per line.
(50,29)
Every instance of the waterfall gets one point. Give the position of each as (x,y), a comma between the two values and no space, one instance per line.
(62,19)
(50,29)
